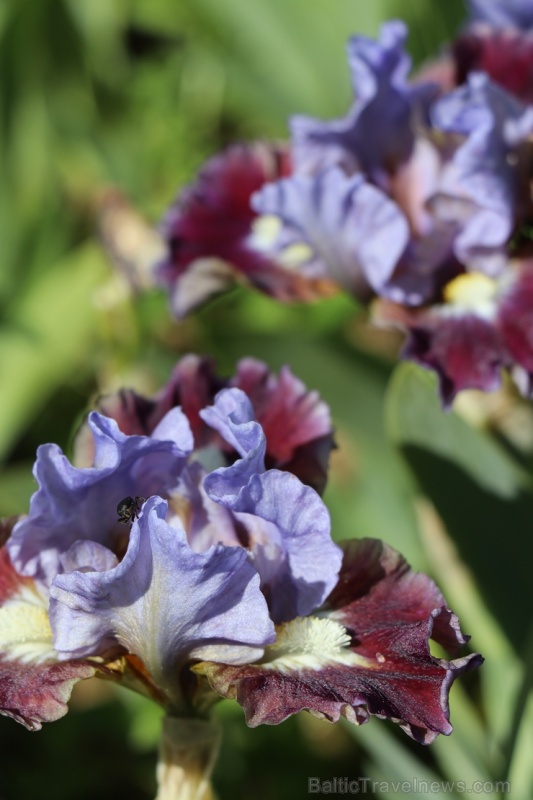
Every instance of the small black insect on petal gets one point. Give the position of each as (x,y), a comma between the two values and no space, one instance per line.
(128,509)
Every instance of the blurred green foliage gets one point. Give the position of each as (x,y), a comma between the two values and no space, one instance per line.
(99,94)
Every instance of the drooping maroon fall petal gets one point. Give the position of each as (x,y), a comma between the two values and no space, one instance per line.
(515,319)
(366,653)
(466,352)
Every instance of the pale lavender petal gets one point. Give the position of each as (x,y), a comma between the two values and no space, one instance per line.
(87,556)
(208,522)
(233,417)
(355,232)
(163,603)
(488,164)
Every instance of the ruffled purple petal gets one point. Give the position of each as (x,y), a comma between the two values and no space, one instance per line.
(233,417)
(73,504)
(487,163)
(207,522)
(164,604)
(288,530)
(34,686)
(356,234)
(376,136)
(366,654)
(296,422)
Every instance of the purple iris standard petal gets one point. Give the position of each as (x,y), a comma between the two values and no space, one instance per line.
(73,504)
(192,385)
(366,653)
(503,13)
(233,417)
(288,530)
(356,233)
(164,604)
(494,124)
(87,556)
(377,135)
(286,523)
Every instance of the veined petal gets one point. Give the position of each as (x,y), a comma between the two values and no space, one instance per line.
(164,604)
(465,351)
(355,233)
(365,654)
(515,318)
(34,686)
(505,54)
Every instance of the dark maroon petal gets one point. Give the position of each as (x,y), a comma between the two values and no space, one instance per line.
(516,319)
(34,686)
(465,351)
(33,694)
(375,579)
(417,701)
(296,421)
(384,667)
(193,386)
(213,217)
(506,56)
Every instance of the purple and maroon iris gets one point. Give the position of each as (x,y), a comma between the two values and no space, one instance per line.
(228,569)
(418,201)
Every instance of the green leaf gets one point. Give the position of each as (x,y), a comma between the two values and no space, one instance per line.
(392,761)
(47,339)
(16,487)
(481,495)
(414,416)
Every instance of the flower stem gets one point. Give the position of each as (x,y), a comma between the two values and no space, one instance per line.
(187,755)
